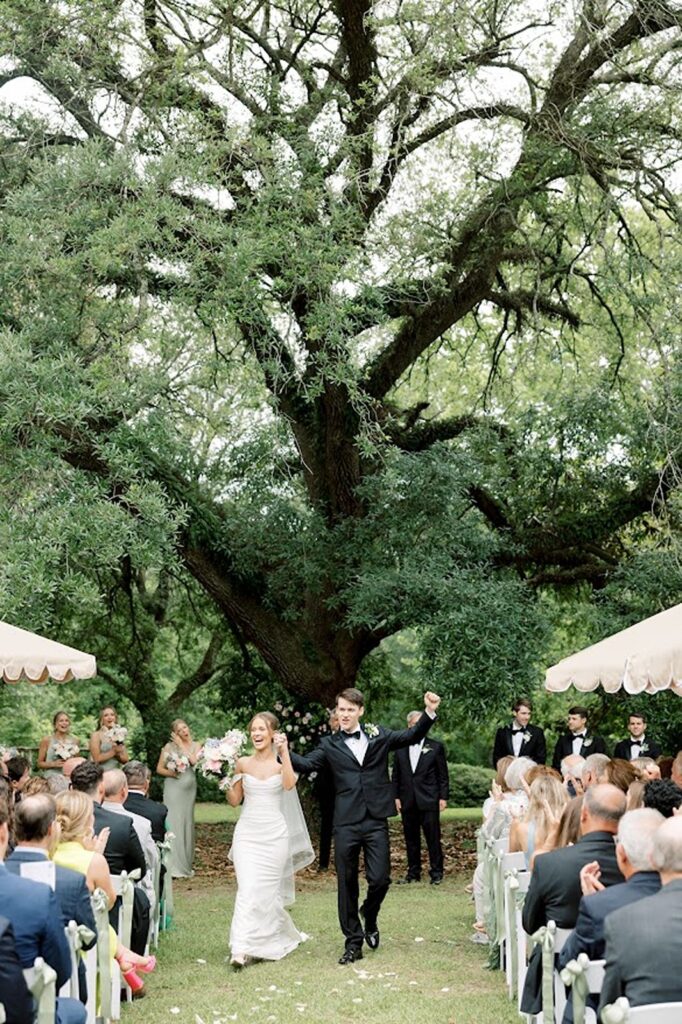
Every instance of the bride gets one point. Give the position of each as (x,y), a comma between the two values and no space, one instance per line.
(270,843)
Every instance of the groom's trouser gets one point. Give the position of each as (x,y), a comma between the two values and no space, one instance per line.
(371,836)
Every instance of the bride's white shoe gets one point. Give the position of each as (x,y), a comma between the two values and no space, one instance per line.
(240,960)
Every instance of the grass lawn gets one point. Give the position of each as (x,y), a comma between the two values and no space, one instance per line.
(426,970)
(213,814)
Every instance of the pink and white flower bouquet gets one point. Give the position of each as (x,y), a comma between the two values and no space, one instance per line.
(115,734)
(218,757)
(64,749)
(177,762)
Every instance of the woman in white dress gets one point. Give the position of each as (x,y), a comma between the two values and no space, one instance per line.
(270,843)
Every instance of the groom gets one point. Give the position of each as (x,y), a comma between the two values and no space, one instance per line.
(358,761)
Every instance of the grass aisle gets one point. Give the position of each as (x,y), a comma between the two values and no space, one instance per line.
(425,972)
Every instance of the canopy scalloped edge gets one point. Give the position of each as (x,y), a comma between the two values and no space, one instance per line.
(25,656)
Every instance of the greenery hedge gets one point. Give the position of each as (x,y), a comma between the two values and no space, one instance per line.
(469,784)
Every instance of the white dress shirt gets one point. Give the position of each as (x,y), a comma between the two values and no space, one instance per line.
(415,753)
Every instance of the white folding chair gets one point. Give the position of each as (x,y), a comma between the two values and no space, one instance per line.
(41,980)
(521,937)
(560,939)
(511,865)
(104,980)
(621,1012)
(124,887)
(585,978)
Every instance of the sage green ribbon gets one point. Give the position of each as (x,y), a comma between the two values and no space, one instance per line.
(100,908)
(498,896)
(78,936)
(42,981)
(574,975)
(616,1013)
(511,879)
(167,895)
(545,937)
(128,879)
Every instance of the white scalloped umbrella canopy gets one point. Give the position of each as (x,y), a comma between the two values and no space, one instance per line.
(25,655)
(644,658)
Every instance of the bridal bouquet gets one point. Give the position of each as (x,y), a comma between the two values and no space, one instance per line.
(177,762)
(64,749)
(116,734)
(218,757)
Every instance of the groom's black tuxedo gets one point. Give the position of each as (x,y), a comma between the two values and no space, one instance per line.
(534,747)
(364,800)
(624,748)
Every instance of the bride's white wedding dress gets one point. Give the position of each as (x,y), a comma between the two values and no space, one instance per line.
(262,856)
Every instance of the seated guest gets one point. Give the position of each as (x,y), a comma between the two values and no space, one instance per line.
(547,799)
(643,941)
(138,776)
(578,739)
(33,911)
(665,766)
(675,769)
(7,797)
(635,795)
(37,833)
(634,847)
(554,893)
(621,773)
(638,742)
(14,994)
(572,773)
(663,795)
(36,784)
(70,764)
(123,851)
(80,850)
(115,795)
(520,738)
(595,770)
(498,786)
(647,768)
(18,774)
(567,832)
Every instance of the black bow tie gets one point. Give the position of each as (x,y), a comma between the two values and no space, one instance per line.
(640,741)
(579,735)
(351,735)
(515,731)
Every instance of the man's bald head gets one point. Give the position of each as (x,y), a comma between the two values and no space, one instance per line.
(603,807)
(115,785)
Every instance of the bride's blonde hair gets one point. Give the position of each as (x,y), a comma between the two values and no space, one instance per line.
(270,720)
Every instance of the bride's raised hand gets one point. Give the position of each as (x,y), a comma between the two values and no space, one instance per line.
(281,742)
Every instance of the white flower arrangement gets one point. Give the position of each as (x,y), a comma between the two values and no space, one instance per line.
(64,749)
(643,747)
(177,762)
(526,737)
(371,730)
(115,734)
(587,742)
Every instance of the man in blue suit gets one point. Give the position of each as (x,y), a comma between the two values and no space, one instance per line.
(634,847)
(34,913)
(36,832)
(15,998)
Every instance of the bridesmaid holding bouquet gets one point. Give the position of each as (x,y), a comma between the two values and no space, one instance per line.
(177,762)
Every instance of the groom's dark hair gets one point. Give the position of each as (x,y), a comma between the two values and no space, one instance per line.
(352,695)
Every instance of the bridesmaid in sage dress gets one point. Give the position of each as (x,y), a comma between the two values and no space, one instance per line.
(179,795)
(102,750)
(50,753)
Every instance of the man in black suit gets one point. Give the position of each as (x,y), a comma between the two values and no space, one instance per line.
(554,893)
(36,833)
(637,744)
(520,738)
(138,776)
(634,847)
(14,995)
(578,739)
(123,851)
(422,787)
(643,941)
(358,759)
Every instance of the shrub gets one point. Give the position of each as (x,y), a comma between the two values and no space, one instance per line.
(469,784)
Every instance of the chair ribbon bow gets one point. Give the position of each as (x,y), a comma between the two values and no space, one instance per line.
(44,990)
(545,937)
(574,975)
(616,1013)
(100,906)
(80,936)
(512,882)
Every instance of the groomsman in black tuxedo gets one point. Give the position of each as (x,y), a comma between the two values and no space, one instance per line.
(578,739)
(520,738)
(637,744)
(358,759)
(422,787)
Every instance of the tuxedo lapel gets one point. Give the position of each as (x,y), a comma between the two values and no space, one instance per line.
(341,744)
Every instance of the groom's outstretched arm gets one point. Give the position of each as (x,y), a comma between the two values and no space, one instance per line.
(312,762)
(405,737)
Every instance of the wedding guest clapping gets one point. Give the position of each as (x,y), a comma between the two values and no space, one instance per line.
(107,743)
(547,799)
(54,750)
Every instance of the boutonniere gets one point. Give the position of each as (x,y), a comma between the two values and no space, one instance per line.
(426,750)
(643,747)
(371,730)
(587,742)
(526,737)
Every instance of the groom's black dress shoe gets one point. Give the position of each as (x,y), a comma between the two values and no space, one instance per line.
(407,880)
(371,933)
(350,956)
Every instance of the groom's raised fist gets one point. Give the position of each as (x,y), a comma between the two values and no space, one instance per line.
(431,701)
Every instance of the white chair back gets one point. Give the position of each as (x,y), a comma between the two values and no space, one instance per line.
(560,940)
(656,1013)
(39,871)
(521,937)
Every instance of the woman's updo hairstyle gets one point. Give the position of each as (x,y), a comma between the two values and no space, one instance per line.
(74,814)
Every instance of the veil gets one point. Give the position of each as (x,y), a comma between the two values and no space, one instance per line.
(301,850)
